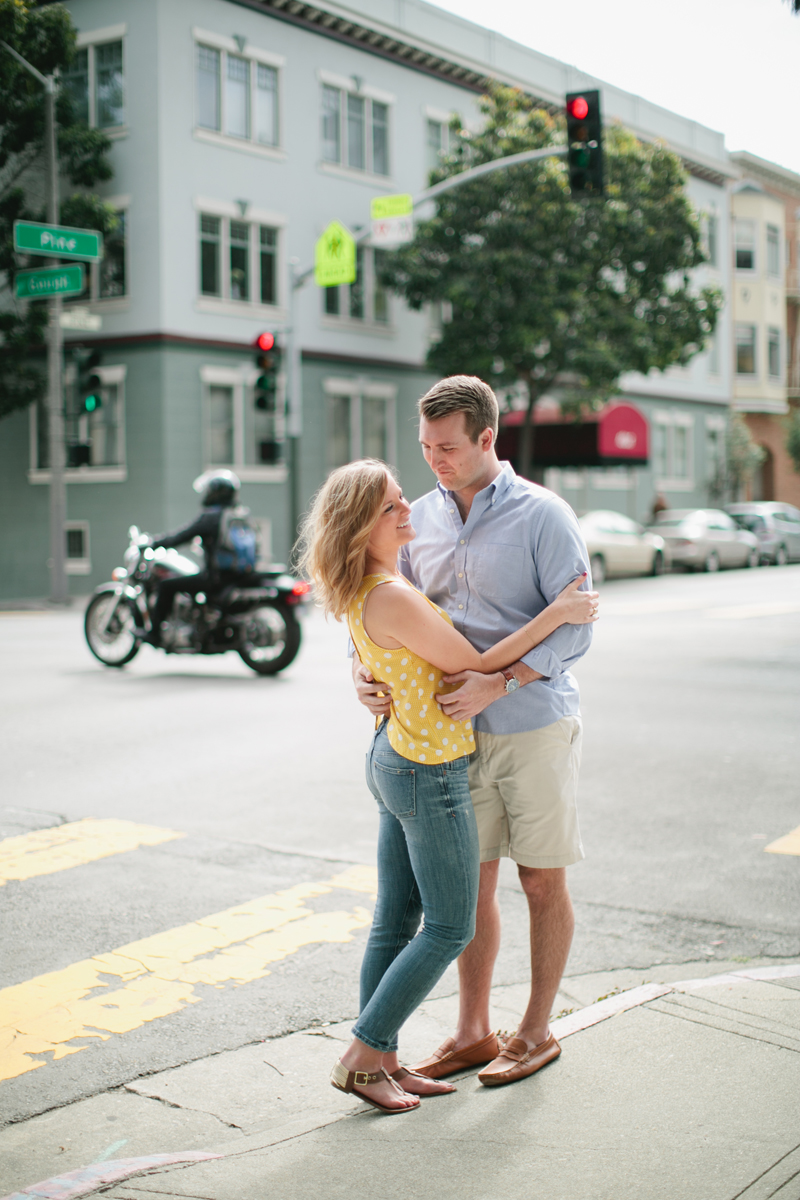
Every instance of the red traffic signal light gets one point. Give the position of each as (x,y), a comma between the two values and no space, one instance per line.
(584,143)
(578,107)
(265,341)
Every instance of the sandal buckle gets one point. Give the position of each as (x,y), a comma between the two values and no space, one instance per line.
(360,1078)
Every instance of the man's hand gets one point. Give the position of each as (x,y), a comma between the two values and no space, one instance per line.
(477,693)
(367,690)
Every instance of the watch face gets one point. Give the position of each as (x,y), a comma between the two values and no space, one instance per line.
(512,684)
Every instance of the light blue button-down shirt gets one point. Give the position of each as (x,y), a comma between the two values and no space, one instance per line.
(519,547)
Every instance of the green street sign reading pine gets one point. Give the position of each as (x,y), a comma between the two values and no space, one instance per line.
(58,241)
(54,281)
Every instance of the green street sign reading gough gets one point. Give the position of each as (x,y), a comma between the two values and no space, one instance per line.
(54,281)
(58,241)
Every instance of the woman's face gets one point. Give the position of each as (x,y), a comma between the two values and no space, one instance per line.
(393,527)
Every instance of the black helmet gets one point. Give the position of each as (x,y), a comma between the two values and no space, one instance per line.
(217,486)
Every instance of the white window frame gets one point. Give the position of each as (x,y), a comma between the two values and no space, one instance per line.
(241,379)
(255,218)
(121,205)
(738,224)
(754,327)
(355,86)
(356,389)
(669,420)
(774,229)
(254,55)
(439,117)
(111,474)
(715,424)
(367,323)
(88,41)
(774,330)
(78,566)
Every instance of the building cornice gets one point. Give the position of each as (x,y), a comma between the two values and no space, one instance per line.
(417,53)
(771,173)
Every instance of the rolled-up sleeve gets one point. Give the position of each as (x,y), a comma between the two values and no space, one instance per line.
(560,555)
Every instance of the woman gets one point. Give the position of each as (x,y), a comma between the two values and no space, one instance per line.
(416,767)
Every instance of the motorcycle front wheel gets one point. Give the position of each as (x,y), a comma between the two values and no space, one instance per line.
(109,629)
(271,640)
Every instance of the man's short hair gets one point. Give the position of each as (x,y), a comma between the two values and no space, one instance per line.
(462,393)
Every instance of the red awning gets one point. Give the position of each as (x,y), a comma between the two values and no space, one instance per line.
(618,435)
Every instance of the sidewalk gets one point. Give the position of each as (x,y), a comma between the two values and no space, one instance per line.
(680,1085)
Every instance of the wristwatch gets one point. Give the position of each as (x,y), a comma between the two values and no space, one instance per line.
(512,683)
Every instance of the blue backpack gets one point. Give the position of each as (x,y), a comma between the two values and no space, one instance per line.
(237,544)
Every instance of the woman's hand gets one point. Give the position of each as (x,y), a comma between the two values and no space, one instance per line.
(576,607)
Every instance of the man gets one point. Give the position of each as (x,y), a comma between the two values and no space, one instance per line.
(218,489)
(493,550)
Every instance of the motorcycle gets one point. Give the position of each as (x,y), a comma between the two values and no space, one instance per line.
(258,619)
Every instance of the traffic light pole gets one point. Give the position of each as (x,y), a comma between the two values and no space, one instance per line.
(55,346)
(297,279)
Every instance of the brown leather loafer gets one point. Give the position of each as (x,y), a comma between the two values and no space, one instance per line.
(519,1062)
(447,1059)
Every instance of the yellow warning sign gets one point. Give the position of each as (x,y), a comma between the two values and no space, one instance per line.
(335,257)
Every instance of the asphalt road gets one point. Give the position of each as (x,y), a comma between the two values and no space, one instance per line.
(691,702)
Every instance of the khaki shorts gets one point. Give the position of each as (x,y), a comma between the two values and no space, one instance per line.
(524,791)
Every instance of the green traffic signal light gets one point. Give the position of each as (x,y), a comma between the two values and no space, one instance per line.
(92,403)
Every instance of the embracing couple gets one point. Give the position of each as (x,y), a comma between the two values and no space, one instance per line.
(469,603)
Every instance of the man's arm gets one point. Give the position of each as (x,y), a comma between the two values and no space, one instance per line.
(559,553)
(201,526)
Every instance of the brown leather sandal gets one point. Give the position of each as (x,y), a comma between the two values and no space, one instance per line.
(349,1081)
(403,1073)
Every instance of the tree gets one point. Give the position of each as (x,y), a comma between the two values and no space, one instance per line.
(552,291)
(793,437)
(46,38)
(743,456)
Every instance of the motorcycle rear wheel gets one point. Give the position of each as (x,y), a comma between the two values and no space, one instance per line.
(271,640)
(113,642)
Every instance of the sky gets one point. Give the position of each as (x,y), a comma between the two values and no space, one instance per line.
(733,65)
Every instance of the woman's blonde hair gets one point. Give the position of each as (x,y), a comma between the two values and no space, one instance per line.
(332,547)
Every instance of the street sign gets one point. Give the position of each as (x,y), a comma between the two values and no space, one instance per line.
(392,222)
(335,257)
(81,318)
(58,241)
(53,281)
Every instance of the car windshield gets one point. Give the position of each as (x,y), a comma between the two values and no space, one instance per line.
(674,522)
(749,521)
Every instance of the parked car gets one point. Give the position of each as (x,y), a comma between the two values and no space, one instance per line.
(777,527)
(706,539)
(619,546)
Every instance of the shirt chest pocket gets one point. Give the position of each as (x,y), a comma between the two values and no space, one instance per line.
(496,570)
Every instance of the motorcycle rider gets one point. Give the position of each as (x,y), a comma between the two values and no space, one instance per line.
(218,489)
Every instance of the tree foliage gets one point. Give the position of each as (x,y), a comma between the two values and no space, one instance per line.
(46,38)
(743,457)
(793,437)
(557,292)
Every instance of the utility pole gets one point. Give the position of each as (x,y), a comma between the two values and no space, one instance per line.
(55,345)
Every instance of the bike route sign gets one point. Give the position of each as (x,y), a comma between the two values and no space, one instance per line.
(54,281)
(58,241)
(335,257)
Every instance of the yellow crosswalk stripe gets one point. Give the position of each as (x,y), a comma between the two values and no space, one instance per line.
(57,1013)
(46,851)
(789,844)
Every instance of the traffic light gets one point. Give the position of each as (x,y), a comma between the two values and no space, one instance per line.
(585,143)
(89,383)
(265,398)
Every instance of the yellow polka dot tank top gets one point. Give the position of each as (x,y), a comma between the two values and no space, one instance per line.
(418,727)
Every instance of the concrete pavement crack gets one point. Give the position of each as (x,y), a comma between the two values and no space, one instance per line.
(681,1016)
(181,1107)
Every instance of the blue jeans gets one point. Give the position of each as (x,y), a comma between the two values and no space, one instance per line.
(428,862)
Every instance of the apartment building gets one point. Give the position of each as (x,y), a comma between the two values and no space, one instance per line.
(240,129)
(766,296)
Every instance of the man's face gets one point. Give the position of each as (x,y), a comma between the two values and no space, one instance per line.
(456,461)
